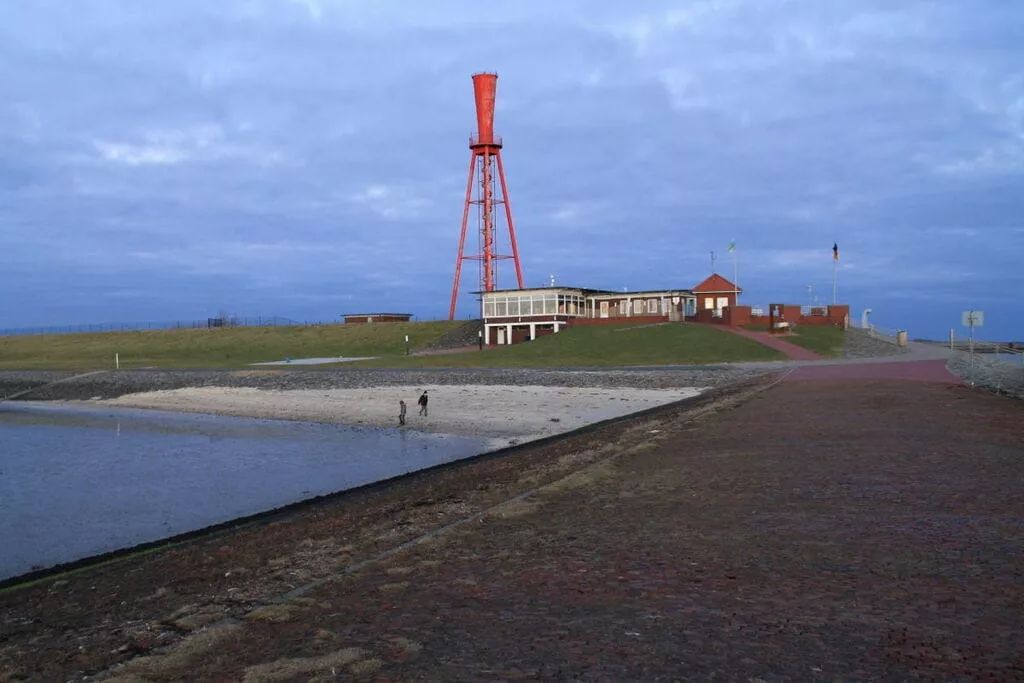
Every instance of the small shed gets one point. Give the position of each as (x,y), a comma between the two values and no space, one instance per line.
(365,318)
(716,293)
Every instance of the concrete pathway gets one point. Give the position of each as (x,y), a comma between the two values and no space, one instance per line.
(915,352)
(315,361)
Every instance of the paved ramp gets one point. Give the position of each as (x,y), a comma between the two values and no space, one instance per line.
(792,351)
(917,371)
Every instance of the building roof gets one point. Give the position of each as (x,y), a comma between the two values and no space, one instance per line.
(643,293)
(556,288)
(715,284)
(590,292)
(357,315)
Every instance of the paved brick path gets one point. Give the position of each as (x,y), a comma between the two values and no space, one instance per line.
(793,351)
(919,370)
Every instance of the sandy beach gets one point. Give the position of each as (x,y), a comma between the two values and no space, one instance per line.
(515,413)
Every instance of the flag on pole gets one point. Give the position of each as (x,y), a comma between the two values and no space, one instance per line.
(835,251)
(732,245)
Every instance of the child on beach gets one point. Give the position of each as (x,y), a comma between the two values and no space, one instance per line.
(423,403)
(401,413)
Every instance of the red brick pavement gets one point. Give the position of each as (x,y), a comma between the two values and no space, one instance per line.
(918,371)
(793,351)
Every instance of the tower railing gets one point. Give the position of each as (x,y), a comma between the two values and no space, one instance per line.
(474,140)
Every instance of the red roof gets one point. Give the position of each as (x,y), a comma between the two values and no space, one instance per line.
(715,284)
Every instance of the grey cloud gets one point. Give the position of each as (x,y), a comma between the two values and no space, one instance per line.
(637,140)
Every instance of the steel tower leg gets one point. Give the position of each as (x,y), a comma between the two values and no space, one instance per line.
(508,217)
(462,237)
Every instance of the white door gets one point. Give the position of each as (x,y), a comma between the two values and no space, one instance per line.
(604,309)
(501,335)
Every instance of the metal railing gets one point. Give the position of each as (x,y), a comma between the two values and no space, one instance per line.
(233,321)
(816,310)
(203,323)
(994,366)
(475,140)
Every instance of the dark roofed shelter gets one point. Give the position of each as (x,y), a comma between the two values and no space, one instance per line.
(364,318)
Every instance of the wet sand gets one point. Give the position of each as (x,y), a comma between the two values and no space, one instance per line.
(516,413)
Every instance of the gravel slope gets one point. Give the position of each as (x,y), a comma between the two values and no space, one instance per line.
(120,382)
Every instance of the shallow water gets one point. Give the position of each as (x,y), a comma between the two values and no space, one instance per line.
(77,482)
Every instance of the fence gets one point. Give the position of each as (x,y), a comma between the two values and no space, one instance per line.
(999,367)
(258,321)
(232,321)
(884,334)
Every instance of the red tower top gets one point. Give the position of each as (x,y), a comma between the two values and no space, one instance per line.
(485,86)
(485,164)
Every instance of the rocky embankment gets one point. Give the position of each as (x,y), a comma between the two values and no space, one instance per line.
(459,338)
(1003,375)
(14,383)
(116,383)
(858,343)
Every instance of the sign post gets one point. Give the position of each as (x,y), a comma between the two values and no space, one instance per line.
(407,345)
(970,320)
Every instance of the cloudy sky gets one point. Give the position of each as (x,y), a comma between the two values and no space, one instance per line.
(304,158)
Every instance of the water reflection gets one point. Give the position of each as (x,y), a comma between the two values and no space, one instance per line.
(69,490)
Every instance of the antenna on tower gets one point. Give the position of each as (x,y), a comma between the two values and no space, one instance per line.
(485,164)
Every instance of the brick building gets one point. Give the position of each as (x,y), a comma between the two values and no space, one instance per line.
(716,293)
(364,318)
(516,315)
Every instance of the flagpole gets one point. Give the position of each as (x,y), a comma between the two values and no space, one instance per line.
(834,262)
(735,276)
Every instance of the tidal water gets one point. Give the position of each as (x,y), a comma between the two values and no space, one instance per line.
(77,482)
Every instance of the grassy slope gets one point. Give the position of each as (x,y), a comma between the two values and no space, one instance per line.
(827,341)
(604,345)
(223,347)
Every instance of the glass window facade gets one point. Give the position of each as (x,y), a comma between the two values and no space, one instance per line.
(539,303)
(570,303)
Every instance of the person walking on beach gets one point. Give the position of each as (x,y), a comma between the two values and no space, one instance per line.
(401,413)
(423,404)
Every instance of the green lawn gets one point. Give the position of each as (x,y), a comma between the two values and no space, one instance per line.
(826,340)
(217,347)
(604,345)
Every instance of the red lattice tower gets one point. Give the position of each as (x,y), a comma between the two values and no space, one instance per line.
(485,168)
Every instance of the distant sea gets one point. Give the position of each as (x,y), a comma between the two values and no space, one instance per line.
(77,482)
